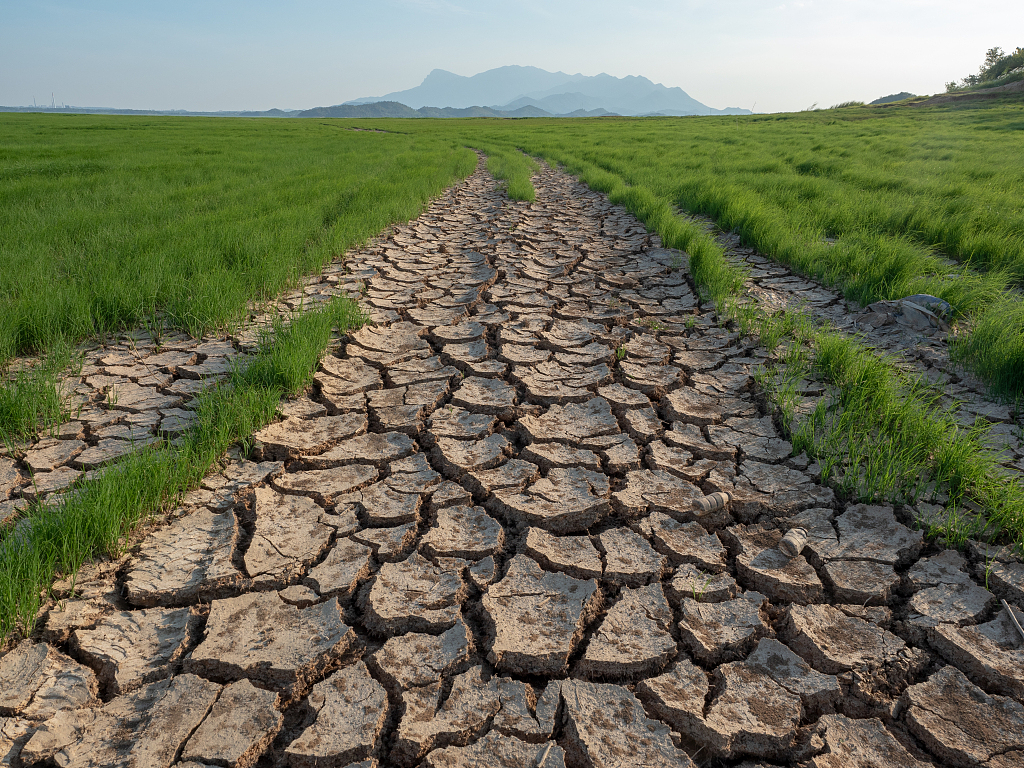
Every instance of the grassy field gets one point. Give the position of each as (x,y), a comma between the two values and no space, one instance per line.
(107,222)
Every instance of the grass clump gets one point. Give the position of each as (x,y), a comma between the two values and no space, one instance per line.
(33,397)
(97,515)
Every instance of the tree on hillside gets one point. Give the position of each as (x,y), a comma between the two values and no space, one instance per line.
(996,65)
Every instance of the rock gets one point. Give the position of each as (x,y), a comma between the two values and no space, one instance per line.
(861,581)
(498,751)
(713,632)
(325,485)
(960,723)
(416,660)
(652,380)
(690,438)
(67,616)
(1006,580)
(448,494)
(536,618)
(135,399)
(106,451)
(762,566)
(37,681)
(413,596)
(50,454)
(947,567)
(301,408)
(635,638)
(677,696)
(514,474)
(768,488)
(239,728)
(669,459)
(467,532)
(374,448)
(346,566)
(648,491)
(299,596)
(566,501)
(459,424)
(429,725)
(272,643)
(147,727)
(689,581)
(549,456)
(574,556)
(621,399)
(419,370)
(291,532)
(832,642)
(689,406)
(750,715)
(187,561)
(389,545)
(684,542)
(556,382)
(14,734)
(131,648)
(492,397)
(619,453)
(570,423)
(872,533)
(629,559)
(456,457)
(606,727)
(291,438)
(818,692)
(843,742)
(514,718)
(350,709)
(991,653)
(956,604)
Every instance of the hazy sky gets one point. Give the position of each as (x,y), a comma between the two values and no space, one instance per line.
(212,55)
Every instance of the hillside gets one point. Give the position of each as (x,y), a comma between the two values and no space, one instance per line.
(508,89)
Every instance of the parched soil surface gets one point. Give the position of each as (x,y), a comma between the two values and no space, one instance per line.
(490,537)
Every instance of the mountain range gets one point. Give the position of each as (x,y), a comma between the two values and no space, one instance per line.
(513,88)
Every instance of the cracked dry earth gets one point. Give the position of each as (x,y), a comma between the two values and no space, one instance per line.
(477,544)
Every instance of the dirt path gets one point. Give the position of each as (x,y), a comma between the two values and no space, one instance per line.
(482,542)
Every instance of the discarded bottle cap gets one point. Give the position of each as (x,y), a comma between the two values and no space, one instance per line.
(714,501)
(793,542)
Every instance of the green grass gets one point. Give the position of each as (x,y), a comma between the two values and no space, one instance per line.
(94,521)
(34,396)
(106,222)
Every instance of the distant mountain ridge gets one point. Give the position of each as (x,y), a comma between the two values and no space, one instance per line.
(509,89)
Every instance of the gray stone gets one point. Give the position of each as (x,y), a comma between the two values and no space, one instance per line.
(762,566)
(684,542)
(548,456)
(991,653)
(291,532)
(947,567)
(566,501)
(416,660)
(536,618)
(861,581)
(429,724)
(373,448)
(37,681)
(239,729)
(570,423)
(957,604)
(843,743)
(292,438)
(413,596)
(634,639)
(350,709)
(716,632)
(574,556)
(492,397)
(960,723)
(832,642)
(274,644)
(131,648)
(187,561)
(498,751)
(606,727)
(750,715)
(689,581)
(456,457)
(466,532)
(346,566)
(872,533)
(818,692)
(629,559)
(325,485)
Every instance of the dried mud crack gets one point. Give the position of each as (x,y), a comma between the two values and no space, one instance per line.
(477,543)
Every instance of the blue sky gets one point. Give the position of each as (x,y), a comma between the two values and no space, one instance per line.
(773,56)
